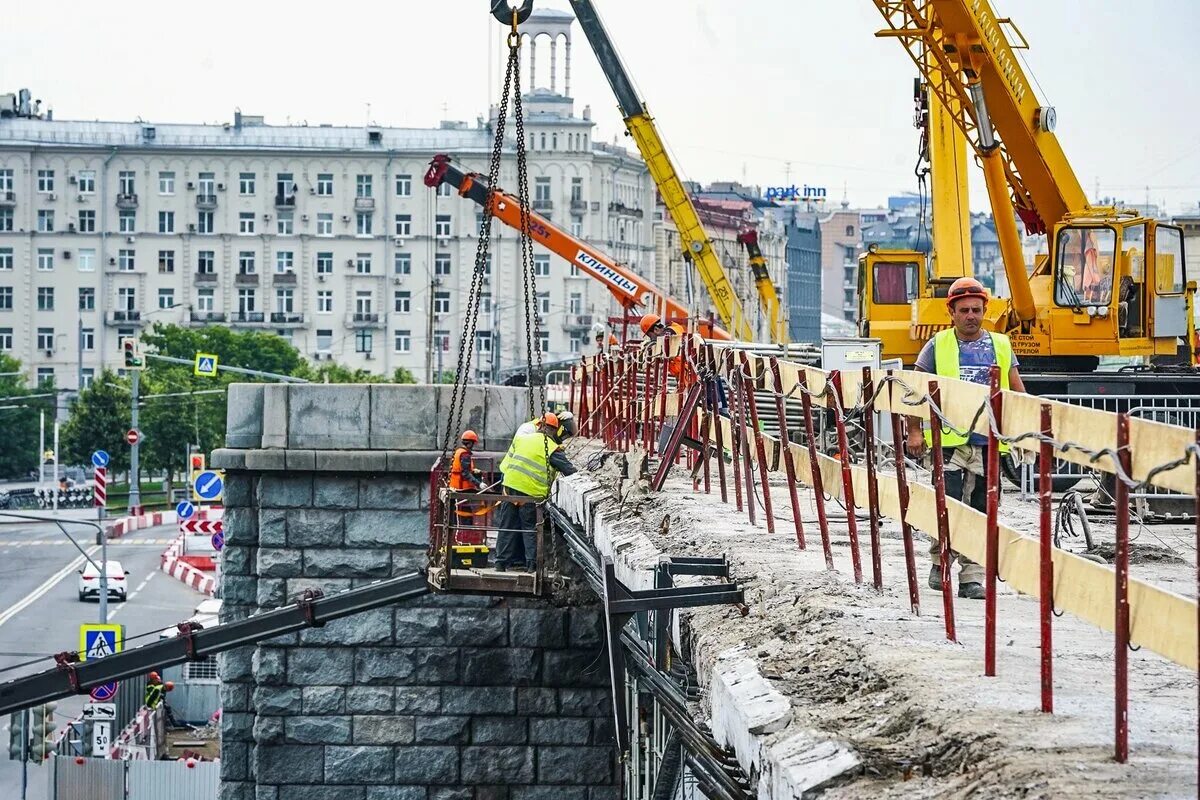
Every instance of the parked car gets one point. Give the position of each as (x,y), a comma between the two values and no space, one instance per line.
(206,614)
(89,580)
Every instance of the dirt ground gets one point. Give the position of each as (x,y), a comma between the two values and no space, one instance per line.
(860,667)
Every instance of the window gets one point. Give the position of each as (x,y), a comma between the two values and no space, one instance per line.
(284,301)
(487,266)
(206,262)
(125,260)
(125,220)
(204,222)
(362,186)
(363,302)
(404,186)
(246,183)
(541,190)
(403,302)
(543,140)
(849,230)
(483,341)
(127,298)
(206,184)
(45,180)
(6,258)
(245,222)
(442,226)
(543,303)
(6,180)
(6,219)
(166,222)
(285,186)
(441,340)
(166,298)
(403,341)
(576,343)
(544,341)
(576,190)
(246,262)
(441,302)
(45,259)
(362,263)
(45,376)
(166,183)
(404,224)
(125,182)
(577,227)
(247,300)
(324,340)
(87,260)
(541,266)
(324,263)
(87,339)
(324,224)
(441,264)
(6,339)
(86,182)
(485,304)
(1084,269)
(204,300)
(324,302)
(87,299)
(124,333)
(45,221)
(364,341)
(87,221)
(575,303)
(6,298)
(363,223)
(443,190)
(285,261)
(88,376)
(325,184)
(166,261)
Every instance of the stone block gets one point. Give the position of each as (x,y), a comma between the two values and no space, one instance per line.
(507,408)
(396,793)
(317,730)
(268,730)
(500,666)
(384,730)
(328,416)
(322,792)
(351,461)
(586,626)
(537,701)
(499,730)
(548,793)
(573,668)
(379,666)
(414,463)
(227,458)
(604,793)
(436,665)
(358,764)
(309,527)
(491,793)
(442,730)
(427,765)
(419,699)
(504,765)
(368,627)
(473,410)
(272,592)
(269,666)
(325,700)
(266,793)
(266,460)
(275,415)
(335,491)
(479,700)
(322,562)
(238,590)
(288,763)
(390,492)
(236,560)
(406,560)
(556,730)
(477,627)
(272,527)
(320,665)
(301,460)
(235,761)
(235,697)
(239,493)
(451,793)
(591,766)
(537,627)
(235,791)
(584,702)
(235,665)
(296,586)
(420,626)
(244,415)
(404,417)
(370,699)
(387,528)
(278,562)
(285,491)
(237,727)
(604,731)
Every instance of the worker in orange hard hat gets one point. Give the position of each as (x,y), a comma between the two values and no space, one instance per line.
(529,468)
(463,475)
(653,326)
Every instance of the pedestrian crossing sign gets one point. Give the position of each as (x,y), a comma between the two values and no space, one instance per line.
(100,640)
(206,365)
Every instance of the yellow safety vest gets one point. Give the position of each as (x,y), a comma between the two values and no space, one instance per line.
(945,360)
(525,466)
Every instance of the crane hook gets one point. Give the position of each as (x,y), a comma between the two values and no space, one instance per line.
(503,12)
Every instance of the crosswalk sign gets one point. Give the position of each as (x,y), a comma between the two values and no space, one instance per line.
(100,640)
(206,365)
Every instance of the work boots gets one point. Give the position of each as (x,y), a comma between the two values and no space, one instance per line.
(935,577)
(968,591)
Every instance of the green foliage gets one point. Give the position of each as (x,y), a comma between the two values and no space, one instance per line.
(172,416)
(98,421)
(19,454)
(258,350)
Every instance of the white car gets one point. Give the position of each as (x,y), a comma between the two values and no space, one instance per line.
(206,614)
(89,580)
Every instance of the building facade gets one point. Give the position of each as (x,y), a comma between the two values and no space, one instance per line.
(841,244)
(803,256)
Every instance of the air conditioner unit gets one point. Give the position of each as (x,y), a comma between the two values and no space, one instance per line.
(312,190)
(321,277)
(191,227)
(111,261)
(401,239)
(266,216)
(71,180)
(304,217)
(52,197)
(49,353)
(398,281)
(191,185)
(443,241)
(349,262)
(220,187)
(129,240)
(67,255)
(345,217)
(82,198)
(368,355)
(70,227)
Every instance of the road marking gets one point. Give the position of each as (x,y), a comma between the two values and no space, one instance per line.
(50,583)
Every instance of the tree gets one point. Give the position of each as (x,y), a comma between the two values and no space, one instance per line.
(258,350)
(172,417)
(98,421)
(19,418)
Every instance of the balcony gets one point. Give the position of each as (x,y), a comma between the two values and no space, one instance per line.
(247,318)
(364,204)
(124,317)
(206,202)
(206,277)
(284,279)
(361,319)
(246,279)
(127,201)
(543,205)
(8,199)
(578,206)
(285,201)
(206,317)
(577,322)
(617,207)
(287,318)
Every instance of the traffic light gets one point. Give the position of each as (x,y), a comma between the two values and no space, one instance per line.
(132,353)
(42,732)
(18,741)
(197,462)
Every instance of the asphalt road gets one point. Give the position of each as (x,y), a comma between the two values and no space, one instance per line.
(40,612)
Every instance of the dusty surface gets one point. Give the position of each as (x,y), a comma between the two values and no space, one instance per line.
(858,666)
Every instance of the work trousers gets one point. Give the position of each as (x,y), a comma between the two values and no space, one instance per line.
(964,479)
(516,540)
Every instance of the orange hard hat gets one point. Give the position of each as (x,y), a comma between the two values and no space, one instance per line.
(964,288)
(550,419)
(612,339)
(470,436)
(649,321)
(169,685)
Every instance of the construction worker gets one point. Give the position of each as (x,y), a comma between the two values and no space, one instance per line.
(463,475)
(529,469)
(154,691)
(966,352)
(565,430)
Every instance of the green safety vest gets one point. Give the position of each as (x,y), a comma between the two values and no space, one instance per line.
(525,467)
(945,359)
(154,695)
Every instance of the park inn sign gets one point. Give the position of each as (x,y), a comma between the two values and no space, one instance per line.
(793,193)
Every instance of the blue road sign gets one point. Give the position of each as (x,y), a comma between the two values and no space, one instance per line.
(218,541)
(100,459)
(185,510)
(104,692)
(208,485)
(100,640)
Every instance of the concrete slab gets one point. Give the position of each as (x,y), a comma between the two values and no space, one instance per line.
(244,415)
(472,411)
(275,415)
(507,408)
(404,417)
(328,417)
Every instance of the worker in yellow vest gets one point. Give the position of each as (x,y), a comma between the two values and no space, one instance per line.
(530,466)
(966,352)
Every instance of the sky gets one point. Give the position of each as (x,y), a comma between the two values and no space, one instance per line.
(767,92)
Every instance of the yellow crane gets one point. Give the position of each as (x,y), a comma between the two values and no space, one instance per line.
(697,247)
(768,297)
(1113,282)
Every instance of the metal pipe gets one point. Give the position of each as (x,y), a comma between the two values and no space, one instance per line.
(943,520)
(788,457)
(814,464)
(1046,569)
(1121,564)
(647,433)
(734,438)
(872,478)
(760,450)
(992,544)
(910,560)
(839,420)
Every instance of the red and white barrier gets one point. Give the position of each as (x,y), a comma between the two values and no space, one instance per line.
(123,525)
(209,526)
(100,487)
(174,565)
(134,742)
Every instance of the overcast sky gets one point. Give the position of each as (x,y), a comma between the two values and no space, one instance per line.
(740,89)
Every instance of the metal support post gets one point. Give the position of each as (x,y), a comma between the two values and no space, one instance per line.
(872,478)
(759,448)
(743,443)
(785,443)
(719,437)
(1046,562)
(943,519)
(814,464)
(135,488)
(735,440)
(839,419)
(647,431)
(910,559)
(1121,565)
(991,559)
